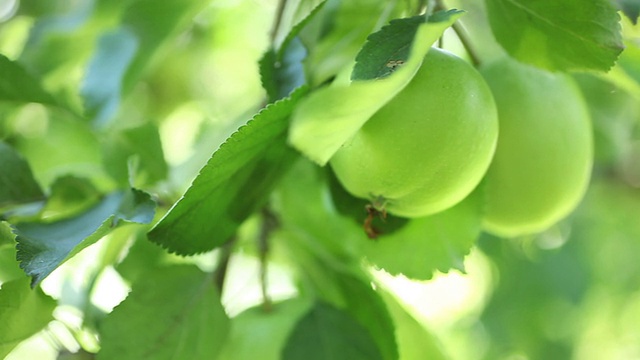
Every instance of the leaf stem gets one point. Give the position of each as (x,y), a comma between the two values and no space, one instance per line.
(463,36)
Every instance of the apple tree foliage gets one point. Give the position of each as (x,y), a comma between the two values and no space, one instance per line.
(165,193)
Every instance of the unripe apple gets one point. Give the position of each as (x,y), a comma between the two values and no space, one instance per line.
(427,148)
(543,161)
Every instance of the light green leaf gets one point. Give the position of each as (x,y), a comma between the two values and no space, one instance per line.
(558,35)
(234,184)
(260,334)
(17,185)
(18,86)
(42,247)
(436,242)
(172,313)
(23,312)
(329,117)
(153,23)
(328,333)
(9,268)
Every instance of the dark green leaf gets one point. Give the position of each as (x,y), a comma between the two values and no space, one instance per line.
(436,242)
(23,312)
(234,183)
(137,150)
(386,49)
(103,80)
(17,185)
(172,313)
(42,247)
(631,8)
(328,333)
(368,308)
(257,333)
(558,35)
(282,71)
(280,76)
(18,86)
(326,119)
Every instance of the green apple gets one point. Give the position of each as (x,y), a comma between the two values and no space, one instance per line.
(543,161)
(427,148)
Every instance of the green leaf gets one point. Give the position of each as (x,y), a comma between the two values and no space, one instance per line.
(172,313)
(558,35)
(152,23)
(436,242)
(23,312)
(235,182)
(69,195)
(134,156)
(17,185)
(103,80)
(328,333)
(42,247)
(260,334)
(329,117)
(631,8)
(18,86)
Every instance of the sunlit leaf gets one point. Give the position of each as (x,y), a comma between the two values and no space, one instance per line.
(424,245)
(558,35)
(17,184)
(18,86)
(232,185)
(42,247)
(415,342)
(23,312)
(171,313)
(329,117)
(329,333)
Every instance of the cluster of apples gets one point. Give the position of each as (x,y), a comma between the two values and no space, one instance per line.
(524,134)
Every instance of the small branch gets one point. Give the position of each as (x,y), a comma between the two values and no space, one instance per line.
(269,223)
(278,20)
(463,36)
(220,273)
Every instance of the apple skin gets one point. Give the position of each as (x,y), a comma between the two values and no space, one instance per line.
(427,148)
(544,157)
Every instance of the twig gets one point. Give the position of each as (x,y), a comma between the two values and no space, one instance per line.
(278,20)
(220,273)
(463,36)
(269,223)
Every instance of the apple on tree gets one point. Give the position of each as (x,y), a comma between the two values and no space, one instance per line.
(429,147)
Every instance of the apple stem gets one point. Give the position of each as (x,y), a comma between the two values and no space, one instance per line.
(372,212)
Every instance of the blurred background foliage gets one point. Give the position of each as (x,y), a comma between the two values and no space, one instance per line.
(148,110)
